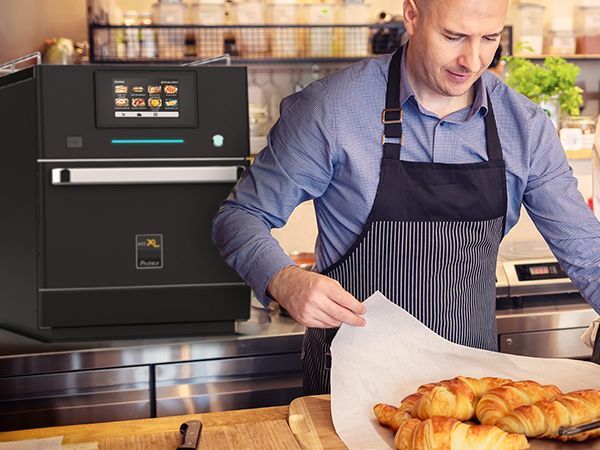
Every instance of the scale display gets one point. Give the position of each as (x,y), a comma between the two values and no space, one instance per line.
(539,271)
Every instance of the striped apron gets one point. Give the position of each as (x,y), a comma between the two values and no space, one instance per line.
(430,243)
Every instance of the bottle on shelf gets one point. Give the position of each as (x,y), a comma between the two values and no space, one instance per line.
(131,18)
(147,37)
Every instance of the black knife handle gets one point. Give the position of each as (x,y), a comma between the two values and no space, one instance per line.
(191,431)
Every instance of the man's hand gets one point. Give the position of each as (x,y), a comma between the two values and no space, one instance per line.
(315,300)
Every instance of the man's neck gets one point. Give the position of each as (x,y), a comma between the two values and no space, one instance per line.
(438,104)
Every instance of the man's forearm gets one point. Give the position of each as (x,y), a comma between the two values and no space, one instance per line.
(246,244)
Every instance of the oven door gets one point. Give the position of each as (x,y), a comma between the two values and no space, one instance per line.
(130,243)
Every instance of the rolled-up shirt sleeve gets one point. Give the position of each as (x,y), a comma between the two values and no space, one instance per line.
(560,212)
(296,166)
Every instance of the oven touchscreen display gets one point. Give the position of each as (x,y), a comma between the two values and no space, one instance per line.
(145,97)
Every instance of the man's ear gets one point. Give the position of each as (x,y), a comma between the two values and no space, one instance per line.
(411,15)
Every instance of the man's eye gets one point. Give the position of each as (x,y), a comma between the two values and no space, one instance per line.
(453,38)
(491,38)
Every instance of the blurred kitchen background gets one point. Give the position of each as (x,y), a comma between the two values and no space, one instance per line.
(286,45)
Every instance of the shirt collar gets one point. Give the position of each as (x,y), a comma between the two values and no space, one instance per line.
(480,102)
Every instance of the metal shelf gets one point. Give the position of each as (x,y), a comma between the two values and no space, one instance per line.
(246,44)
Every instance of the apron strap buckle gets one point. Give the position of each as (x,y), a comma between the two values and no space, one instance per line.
(384,118)
(392,140)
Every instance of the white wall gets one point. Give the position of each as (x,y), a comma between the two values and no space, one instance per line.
(24,24)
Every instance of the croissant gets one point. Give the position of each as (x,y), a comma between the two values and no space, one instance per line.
(542,419)
(498,402)
(446,433)
(455,398)
(392,417)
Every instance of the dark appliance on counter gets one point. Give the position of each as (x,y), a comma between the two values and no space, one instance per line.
(112,175)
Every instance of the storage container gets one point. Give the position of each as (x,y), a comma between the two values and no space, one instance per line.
(529,28)
(251,41)
(560,39)
(171,41)
(587,22)
(284,41)
(320,38)
(355,40)
(209,41)
(578,132)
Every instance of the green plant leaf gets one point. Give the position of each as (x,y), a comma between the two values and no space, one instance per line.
(555,78)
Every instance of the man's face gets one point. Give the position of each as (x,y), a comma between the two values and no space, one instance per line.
(453,42)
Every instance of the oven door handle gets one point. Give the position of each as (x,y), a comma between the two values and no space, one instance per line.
(145,175)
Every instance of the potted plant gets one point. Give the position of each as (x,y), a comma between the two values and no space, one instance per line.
(551,84)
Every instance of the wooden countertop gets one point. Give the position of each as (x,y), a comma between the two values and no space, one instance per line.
(109,434)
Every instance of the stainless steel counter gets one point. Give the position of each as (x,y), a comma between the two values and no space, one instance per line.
(545,326)
(265,332)
(46,384)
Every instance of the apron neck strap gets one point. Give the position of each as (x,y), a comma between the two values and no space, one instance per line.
(391,117)
(494,149)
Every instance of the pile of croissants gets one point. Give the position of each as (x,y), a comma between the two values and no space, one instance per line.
(487,413)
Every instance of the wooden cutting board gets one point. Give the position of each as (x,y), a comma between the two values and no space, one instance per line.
(267,435)
(310,421)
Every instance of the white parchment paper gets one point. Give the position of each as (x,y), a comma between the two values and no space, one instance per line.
(53,443)
(395,353)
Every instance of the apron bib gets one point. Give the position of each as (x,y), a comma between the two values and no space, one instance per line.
(430,243)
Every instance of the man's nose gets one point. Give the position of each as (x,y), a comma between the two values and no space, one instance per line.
(470,58)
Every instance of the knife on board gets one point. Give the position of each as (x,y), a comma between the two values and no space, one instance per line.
(191,431)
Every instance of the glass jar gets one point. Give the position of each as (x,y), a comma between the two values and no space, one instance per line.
(320,38)
(284,41)
(355,40)
(561,37)
(588,27)
(171,41)
(578,132)
(251,41)
(209,41)
(529,28)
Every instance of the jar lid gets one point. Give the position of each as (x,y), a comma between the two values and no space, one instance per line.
(531,4)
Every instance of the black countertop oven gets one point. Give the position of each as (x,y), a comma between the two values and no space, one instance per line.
(112,175)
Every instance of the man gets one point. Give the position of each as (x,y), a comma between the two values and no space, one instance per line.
(418,163)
